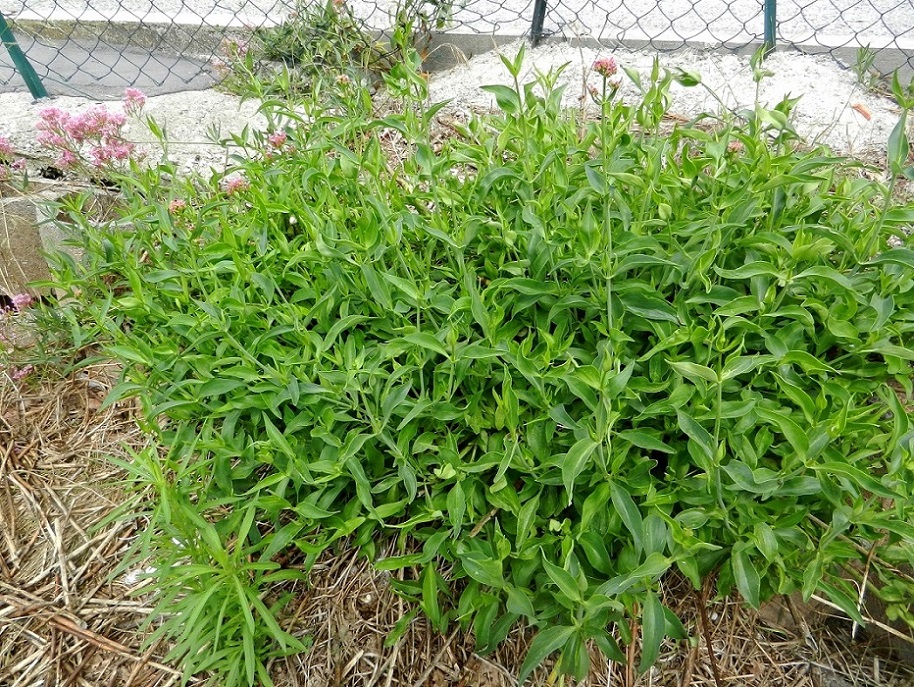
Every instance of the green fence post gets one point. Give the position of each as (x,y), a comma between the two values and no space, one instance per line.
(770,24)
(539,16)
(32,81)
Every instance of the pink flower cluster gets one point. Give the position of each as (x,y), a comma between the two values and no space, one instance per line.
(234,47)
(19,373)
(277,144)
(235,184)
(21,301)
(9,163)
(134,101)
(96,134)
(605,66)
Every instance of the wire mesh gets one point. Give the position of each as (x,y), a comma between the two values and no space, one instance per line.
(172,44)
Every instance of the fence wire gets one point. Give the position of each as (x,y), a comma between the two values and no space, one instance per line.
(174,44)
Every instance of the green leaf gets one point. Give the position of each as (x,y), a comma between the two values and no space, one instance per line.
(807,362)
(526,520)
(488,571)
(430,599)
(629,513)
(857,477)
(564,580)
(507,98)
(596,552)
(895,256)
(699,436)
(404,286)
(654,566)
(519,602)
(342,325)
(740,365)
(694,371)
(829,273)
(596,178)
(843,600)
(649,307)
(127,353)
(653,631)
(427,341)
(574,463)
(645,439)
(545,643)
(219,387)
(608,646)
(898,147)
(746,577)
(753,269)
(798,439)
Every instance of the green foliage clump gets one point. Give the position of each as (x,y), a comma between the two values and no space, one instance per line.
(323,40)
(555,357)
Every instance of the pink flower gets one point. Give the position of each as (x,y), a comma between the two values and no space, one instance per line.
(52,118)
(21,300)
(95,124)
(234,47)
(49,139)
(6,148)
(66,159)
(235,184)
(221,67)
(134,100)
(18,164)
(176,206)
(277,140)
(21,372)
(92,137)
(605,66)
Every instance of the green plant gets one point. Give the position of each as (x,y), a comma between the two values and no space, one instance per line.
(867,76)
(556,358)
(325,40)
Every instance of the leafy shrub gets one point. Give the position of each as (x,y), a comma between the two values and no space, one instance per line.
(322,40)
(554,358)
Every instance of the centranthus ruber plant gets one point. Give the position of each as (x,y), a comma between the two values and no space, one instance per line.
(93,140)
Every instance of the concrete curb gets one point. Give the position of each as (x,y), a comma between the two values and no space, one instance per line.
(174,37)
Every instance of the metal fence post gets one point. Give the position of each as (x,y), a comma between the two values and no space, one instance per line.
(539,16)
(770,24)
(32,81)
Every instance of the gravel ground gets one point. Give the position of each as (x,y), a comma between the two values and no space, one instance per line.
(825,113)
(822,22)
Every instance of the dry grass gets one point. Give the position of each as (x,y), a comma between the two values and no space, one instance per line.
(63,622)
(67,620)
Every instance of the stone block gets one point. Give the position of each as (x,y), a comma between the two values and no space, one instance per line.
(32,226)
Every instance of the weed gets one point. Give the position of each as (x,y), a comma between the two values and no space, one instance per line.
(867,75)
(325,40)
(554,359)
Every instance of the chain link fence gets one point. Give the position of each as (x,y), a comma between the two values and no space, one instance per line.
(173,43)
